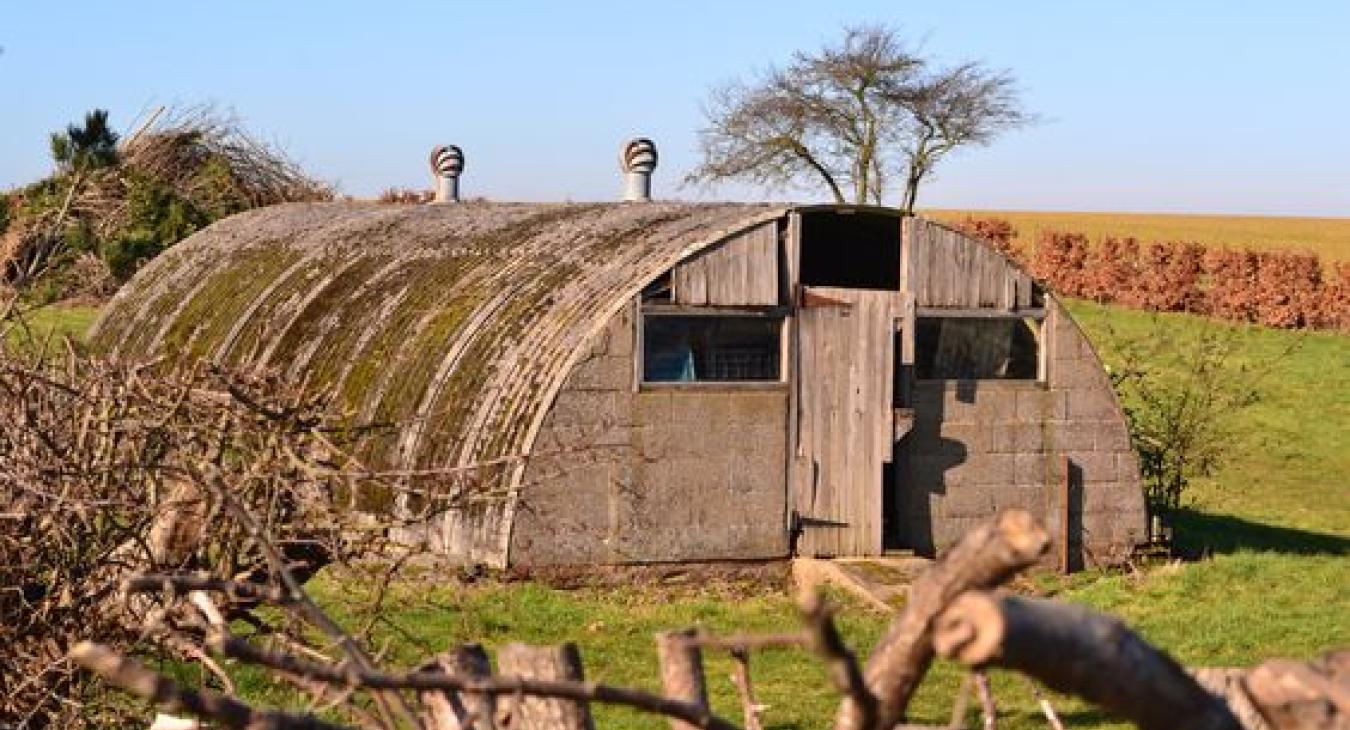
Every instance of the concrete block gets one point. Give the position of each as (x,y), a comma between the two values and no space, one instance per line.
(1030,438)
(1111,435)
(1096,466)
(653,407)
(1079,374)
(1031,406)
(996,469)
(1030,497)
(1069,436)
(1031,468)
(968,501)
(971,435)
(1002,437)
(761,407)
(1127,466)
(996,404)
(1091,404)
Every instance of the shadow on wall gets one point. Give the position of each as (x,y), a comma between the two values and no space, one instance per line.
(923,459)
(1077,535)
(1198,533)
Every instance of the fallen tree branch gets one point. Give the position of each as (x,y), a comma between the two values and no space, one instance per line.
(184,584)
(131,676)
(984,558)
(497,685)
(1074,650)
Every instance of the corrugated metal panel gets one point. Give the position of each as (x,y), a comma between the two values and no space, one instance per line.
(458,322)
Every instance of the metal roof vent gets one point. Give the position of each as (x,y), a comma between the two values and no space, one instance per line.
(447,162)
(637,160)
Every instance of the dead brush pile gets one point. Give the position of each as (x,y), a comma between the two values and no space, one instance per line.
(115,202)
(109,470)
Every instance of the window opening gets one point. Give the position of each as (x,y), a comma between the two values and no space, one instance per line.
(977,348)
(852,250)
(710,348)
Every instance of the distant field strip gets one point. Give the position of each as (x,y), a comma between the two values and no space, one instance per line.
(1329,237)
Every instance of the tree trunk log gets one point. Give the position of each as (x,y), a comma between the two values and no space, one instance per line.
(541,713)
(1076,651)
(681,670)
(449,710)
(1303,696)
(985,557)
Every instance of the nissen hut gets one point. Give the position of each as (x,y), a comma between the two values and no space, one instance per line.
(658,382)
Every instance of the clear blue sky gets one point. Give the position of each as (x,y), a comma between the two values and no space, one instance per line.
(1240,107)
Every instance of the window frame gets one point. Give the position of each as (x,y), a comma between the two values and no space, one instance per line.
(1039,315)
(781,313)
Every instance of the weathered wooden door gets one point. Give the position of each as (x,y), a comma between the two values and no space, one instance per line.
(843,418)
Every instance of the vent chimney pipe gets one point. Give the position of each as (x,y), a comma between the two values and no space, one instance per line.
(637,160)
(447,162)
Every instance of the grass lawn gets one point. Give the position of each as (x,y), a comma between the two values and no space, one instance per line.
(52,321)
(1329,237)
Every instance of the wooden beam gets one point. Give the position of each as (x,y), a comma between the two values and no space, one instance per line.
(981,313)
(685,310)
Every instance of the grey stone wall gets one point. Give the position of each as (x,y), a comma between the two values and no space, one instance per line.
(978,447)
(668,474)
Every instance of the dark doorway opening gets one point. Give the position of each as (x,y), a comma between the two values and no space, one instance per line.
(853,250)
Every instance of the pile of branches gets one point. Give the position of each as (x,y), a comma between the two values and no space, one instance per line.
(120,201)
(110,470)
(952,613)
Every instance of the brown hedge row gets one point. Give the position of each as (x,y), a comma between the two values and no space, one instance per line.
(1288,289)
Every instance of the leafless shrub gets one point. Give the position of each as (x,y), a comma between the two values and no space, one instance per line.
(112,469)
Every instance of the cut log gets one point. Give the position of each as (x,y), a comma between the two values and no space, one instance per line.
(1303,696)
(541,713)
(984,558)
(682,670)
(448,710)
(1079,652)
(1226,684)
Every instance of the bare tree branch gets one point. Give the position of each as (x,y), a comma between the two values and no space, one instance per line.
(497,685)
(852,115)
(129,675)
(983,558)
(1074,650)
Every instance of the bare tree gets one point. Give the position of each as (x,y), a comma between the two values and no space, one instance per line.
(968,105)
(851,117)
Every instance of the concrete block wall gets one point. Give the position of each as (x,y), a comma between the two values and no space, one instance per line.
(668,474)
(977,447)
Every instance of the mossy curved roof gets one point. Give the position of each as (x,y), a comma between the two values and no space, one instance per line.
(458,322)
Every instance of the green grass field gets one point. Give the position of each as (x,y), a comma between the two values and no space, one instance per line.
(50,324)
(1329,237)
(1274,523)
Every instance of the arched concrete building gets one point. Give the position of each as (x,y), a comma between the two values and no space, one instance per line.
(667,381)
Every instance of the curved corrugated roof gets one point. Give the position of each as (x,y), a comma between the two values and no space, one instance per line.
(457,322)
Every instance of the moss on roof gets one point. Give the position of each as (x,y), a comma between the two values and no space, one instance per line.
(456,323)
